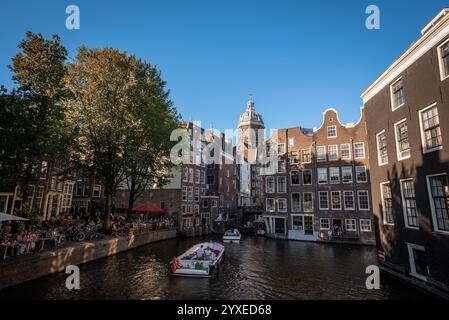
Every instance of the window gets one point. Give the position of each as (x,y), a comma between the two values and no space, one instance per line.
(282,205)
(361,174)
(295,177)
(443,53)
(430,128)
(345,150)
(439,201)
(211,180)
(418,261)
(79,190)
(359,150)
(202,177)
(214,203)
(269,184)
(350,225)
(382,150)
(331,131)
(281,166)
(282,185)
(334,174)
(346,174)
(336,200)
(205,203)
(3,203)
(294,158)
(323,200)
(270,205)
(322,175)
(307,177)
(307,198)
(296,202)
(190,175)
(291,141)
(190,194)
(387,203)
(281,148)
(185,174)
(325,224)
(196,196)
(197,175)
(97,191)
(196,209)
(409,203)
(86,189)
(333,153)
(37,202)
(305,156)
(365,225)
(402,144)
(397,94)
(321,153)
(298,223)
(363,199)
(348,200)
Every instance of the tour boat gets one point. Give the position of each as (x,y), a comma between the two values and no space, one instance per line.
(189,264)
(232,236)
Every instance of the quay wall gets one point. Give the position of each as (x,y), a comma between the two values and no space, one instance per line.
(25,268)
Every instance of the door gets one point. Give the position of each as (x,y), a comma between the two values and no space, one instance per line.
(308,225)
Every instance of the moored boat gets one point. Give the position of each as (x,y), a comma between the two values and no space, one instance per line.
(201,260)
(232,236)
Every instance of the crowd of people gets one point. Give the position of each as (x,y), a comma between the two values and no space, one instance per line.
(17,238)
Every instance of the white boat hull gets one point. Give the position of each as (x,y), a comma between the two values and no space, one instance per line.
(231,239)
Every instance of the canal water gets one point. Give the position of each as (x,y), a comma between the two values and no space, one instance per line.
(257,268)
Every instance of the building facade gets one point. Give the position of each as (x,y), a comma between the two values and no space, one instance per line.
(407,112)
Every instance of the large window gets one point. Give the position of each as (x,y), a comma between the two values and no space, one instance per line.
(281,148)
(334,174)
(350,225)
(197,176)
(443,53)
(307,198)
(305,156)
(298,223)
(282,185)
(363,199)
(307,177)
(346,174)
(196,196)
(439,196)
(269,184)
(322,175)
(335,200)
(323,200)
(345,150)
(382,150)
(325,224)
(397,94)
(365,225)
(361,174)
(282,205)
(359,150)
(321,153)
(190,194)
(402,143)
(348,200)
(409,203)
(296,202)
(281,166)
(430,128)
(295,177)
(270,205)
(184,193)
(387,203)
(331,131)
(210,180)
(333,153)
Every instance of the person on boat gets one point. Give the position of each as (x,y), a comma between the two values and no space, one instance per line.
(200,252)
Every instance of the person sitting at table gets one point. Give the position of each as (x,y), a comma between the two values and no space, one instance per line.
(20,245)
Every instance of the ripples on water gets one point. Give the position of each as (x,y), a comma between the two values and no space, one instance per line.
(257,268)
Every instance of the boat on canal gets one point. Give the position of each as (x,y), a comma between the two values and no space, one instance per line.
(232,236)
(200,261)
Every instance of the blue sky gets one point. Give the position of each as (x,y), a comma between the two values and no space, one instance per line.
(297,58)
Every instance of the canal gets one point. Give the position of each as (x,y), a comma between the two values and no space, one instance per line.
(257,268)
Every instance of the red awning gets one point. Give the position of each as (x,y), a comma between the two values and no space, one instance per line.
(149,208)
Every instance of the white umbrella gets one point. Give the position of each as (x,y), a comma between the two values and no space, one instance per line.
(8,217)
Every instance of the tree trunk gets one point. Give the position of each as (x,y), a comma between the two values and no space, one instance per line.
(131,203)
(108,211)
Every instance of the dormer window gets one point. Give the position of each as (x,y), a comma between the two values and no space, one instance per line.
(397,94)
(331,131)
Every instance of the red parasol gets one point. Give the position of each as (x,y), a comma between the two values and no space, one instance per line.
(149,208)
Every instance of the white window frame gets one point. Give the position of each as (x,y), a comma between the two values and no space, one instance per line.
(353,200)
(411,257)
(302,155)
(303,200)
(355,225)
(285,184)
(393,107)
(291,202)
(349,150)
(284,200)
(311,177)
(382,199)
(404,207)
(319,200)
(329,153)
(370,225)
(279,167)
(421,129)
(324,153)
(352,175)
(335,129)
(432,203)
(331,202)
(358,200)
(318,175)
(330,175)
(274,205)
(328,223)
(440,61)
(398,153)
(184,193)
(299,177)
(379,158)
(291,141)
(281,146)
(364,153)
(266,185)
(357,177)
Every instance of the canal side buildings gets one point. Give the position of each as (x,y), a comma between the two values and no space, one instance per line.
(407,112)
(320,189)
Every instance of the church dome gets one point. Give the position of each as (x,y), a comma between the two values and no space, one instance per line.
(251,117)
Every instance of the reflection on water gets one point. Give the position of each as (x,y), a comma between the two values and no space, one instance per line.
(257,268)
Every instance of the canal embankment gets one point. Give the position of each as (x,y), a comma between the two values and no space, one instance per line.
(26,268)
